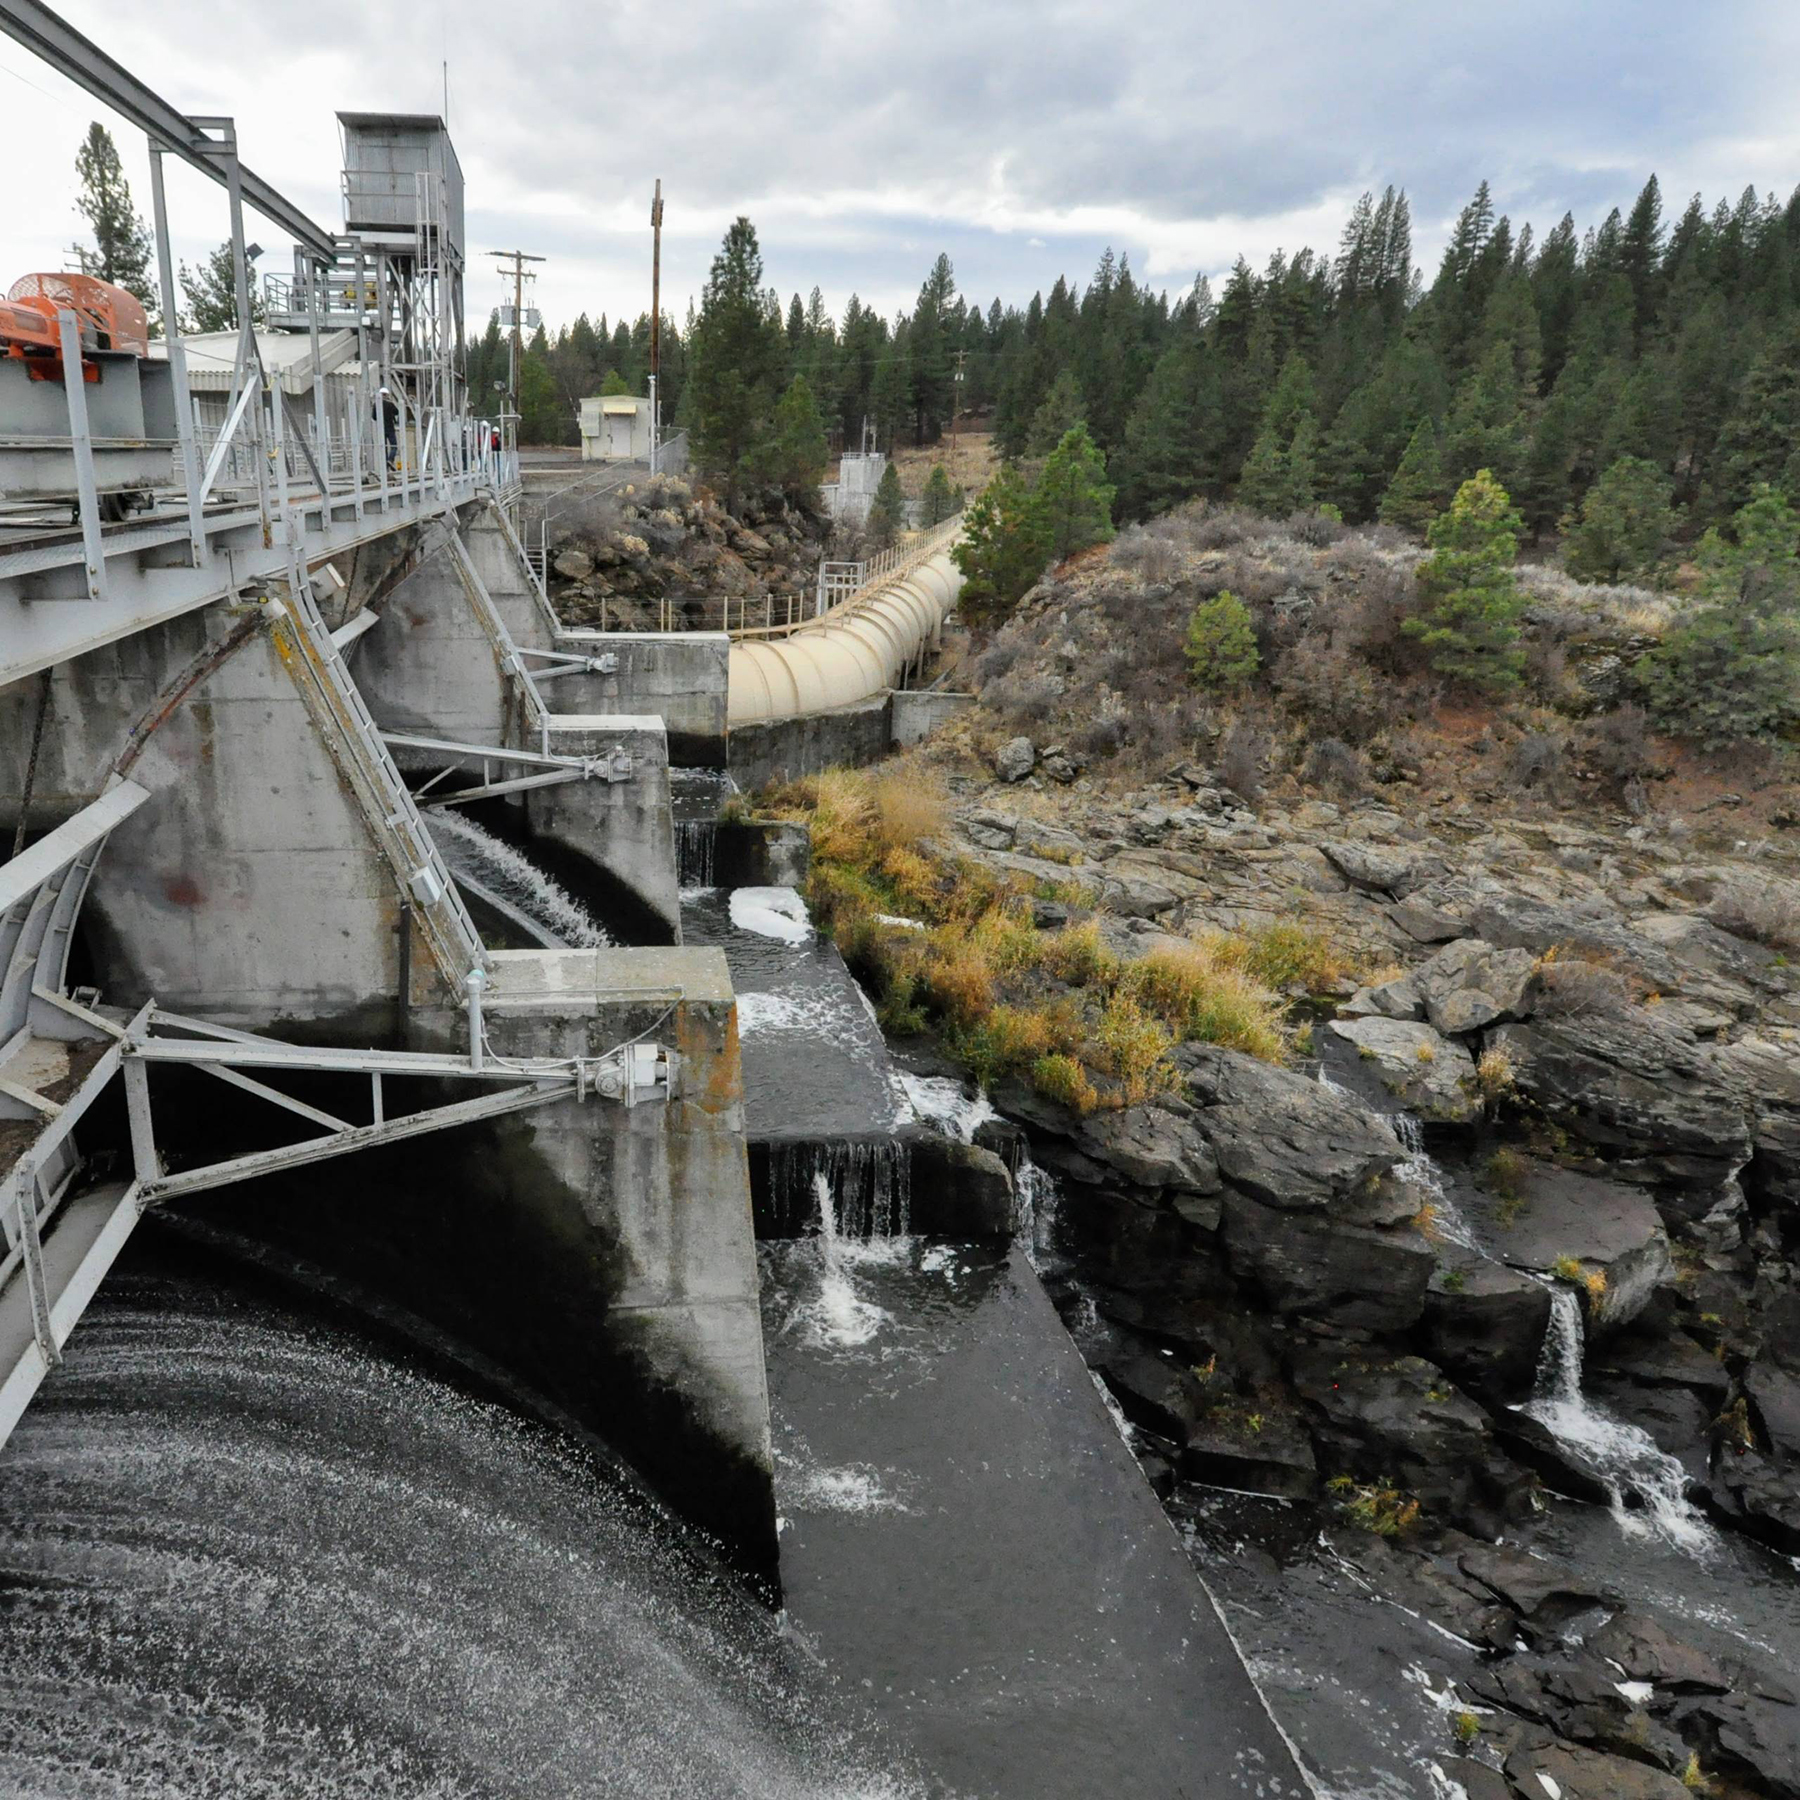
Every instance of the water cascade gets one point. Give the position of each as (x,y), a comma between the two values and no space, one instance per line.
(493,872)
(871,1179)
(1419,1168)
(695,842)
(1624,1458)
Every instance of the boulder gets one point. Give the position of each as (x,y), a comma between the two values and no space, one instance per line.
(1401,1420)
(1152,1147)
(1571,1773)
(1283,1140)
(1547,1594)
(1604,1225)
(1485,1324)
(1646,1651)
(1015,759)
(1427,1073)
(1381,868)
(1639,1090)
(1358,1278)
(1255,1448)
(573,564)
(1470,985)
(1765,1066)
(960,1190)
(1752,1738)
(1397,999)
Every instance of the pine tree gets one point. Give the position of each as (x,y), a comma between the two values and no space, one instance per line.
(793,456)
(887,514)
(1731,669)
(1760,441)
(1002,549)
(736,354)
(1171,445)
(890,397)
(940,501)
(1220,645)
(1416,494)
(1073,499)
(1058,415)
(1471,603)
(121,251)
(211,293)
(1625,522)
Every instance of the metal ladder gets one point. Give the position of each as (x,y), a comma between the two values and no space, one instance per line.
(369,766)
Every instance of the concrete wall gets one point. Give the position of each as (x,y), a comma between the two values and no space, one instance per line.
(916,715)
(624,828)
(250,887)
(432,668)
(785,749)
(680,674)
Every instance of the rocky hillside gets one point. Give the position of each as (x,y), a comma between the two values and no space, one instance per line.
(1554,951)
(661,540)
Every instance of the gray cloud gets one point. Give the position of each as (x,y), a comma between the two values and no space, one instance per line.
(865,135)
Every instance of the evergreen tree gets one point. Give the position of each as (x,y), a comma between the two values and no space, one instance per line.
(793,457)
(736,353)
(1171,445)
(121,248)
(211,294)
(1469,619)
(941,499)
(1625,522)
(1058,415)
(1731,669)
(1220,645)
(1002,550)
(887,514)
(1073,499)
(1416,494)
(890,398)
(1760,441)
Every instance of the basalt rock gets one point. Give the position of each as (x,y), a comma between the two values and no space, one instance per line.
(1470,985)
(1647,1094)
(1427,1073)
(1401,1420)
(1485,1324)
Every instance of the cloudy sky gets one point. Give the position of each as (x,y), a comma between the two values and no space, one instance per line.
(865,136)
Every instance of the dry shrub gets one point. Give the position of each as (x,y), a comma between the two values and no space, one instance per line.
(1495,1073)
(958,976)
(1538,761)
(1318,529)
(1061,1078)
(1768,911)
(1213,528)
(1133,1048)
(1102,735)
(1207,993)
(1617,745)
(1574,985)
(1332,766)
(1022,698)
(1147,553)
(996,660)
(1242,753)
(908,807)
(1077,955)
(1325,681)
(1289,955)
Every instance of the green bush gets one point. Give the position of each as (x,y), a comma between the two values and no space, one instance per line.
(1220,645)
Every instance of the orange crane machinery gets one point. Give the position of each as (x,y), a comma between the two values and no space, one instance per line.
(108,316)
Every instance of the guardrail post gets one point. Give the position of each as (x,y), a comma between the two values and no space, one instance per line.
(81,441)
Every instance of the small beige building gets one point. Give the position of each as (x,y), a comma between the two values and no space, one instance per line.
(615,428)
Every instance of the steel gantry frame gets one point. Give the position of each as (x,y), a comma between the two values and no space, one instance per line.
(217,527)
(61,1237)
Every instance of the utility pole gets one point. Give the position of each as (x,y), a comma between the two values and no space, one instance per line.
(956,381)
(655,322)
(516,350)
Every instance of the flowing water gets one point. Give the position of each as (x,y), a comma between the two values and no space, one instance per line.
(696,797)
(493,872)
(1624,1457)
(247,1551)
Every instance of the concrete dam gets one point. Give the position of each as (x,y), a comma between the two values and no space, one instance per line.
(640,1287)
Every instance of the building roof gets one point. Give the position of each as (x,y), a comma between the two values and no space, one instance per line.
(285,354)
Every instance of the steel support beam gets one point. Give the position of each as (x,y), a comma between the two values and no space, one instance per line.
(58,43)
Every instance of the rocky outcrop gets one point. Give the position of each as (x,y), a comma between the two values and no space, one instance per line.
(1429,1075)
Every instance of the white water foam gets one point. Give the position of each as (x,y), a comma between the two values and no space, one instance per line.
(775,912)
(1624,1458)
(495,870)
(856,1488)
(838,1318)
(942,1102)
(1448,1221)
